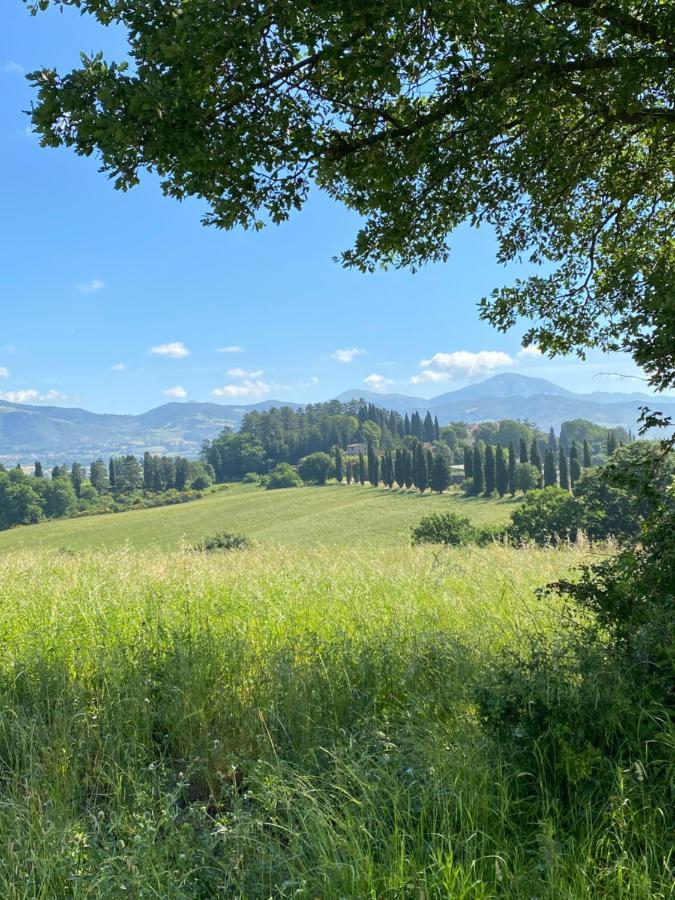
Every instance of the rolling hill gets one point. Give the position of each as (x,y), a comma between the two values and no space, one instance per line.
(57,434)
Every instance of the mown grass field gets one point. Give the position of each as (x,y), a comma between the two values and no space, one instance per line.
(337,516)
(293,722)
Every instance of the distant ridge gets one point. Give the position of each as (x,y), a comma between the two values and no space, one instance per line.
(56,433)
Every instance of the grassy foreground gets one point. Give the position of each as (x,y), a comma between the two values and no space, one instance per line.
(334,515)
(290,723)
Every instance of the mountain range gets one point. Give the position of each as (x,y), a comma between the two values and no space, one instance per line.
(58,434)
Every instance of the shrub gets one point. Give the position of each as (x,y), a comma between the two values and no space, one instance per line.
(251,478)
(284,476)
(547,516)
(527,477)
(444,528)
(316,468)
(223,540)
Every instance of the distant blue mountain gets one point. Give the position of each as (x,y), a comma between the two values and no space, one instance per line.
(53,433)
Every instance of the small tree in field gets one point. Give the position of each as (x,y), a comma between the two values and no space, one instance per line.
(316,468)
(439,479)
(283,476)
(527,477)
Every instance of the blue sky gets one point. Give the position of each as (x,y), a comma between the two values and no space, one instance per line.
(119,302)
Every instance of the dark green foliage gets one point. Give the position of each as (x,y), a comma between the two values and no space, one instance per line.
(468,462)
(111,472)
(373,466)
(490,471)
(408,467)
(316,468)
(501,471)
(76,477)
(513,484)
(349,474)
(552,442)
(399,467)
(429,430)
(547,516)
(98,475)
(550,470)
(37,469)
(527,477)
(223,540)
(439,478)
(575,465)
(420,468)
(362,469)
(524,456)
(563,469)
(478,480)
(612,443)
(444,528)
(283,476)
(587,462)
(339,473)
(535,459)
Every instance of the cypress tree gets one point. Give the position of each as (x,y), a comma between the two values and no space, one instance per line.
(478,470)
(149,481)
(429,431)
(575,467)
(373,466)
(406,425)
(76,476)
(399,471)
(348,471)
(38,470)
(339,474)
(611,443)
(512,469)
(439,477)
(391,473)
(523,451)
(502,472)
(362,469)
(437,429)
(550,471)
(468,462)
(430,462)
(587,458)
(408,468)
(490,471)
(112,479)
(421,469)
(552,442)
(564,470)
(535,458)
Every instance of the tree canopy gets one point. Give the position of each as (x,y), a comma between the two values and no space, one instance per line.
(551,122)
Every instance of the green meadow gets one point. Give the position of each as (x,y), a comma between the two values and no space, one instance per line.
(335,515)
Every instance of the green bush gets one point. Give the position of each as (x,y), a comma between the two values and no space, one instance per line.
(223,540)
(251,478)
(444,528)
(284,476)
(316,468)
(547,516)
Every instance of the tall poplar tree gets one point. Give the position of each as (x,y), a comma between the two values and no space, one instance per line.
(490,471)
(550,470)
(502,472)
(564,469)
(339,473)
(478,470)
(587,458)
(575,465)
(512,469)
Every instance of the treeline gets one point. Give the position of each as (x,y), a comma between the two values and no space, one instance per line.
(492,469)
(267,439)
(121,483)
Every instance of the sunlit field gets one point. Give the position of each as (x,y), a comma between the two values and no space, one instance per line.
(292,722)
(335,515)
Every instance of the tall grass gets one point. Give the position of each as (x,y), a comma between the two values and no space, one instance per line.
(272,723)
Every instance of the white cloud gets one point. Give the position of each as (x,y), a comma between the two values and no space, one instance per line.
(429,375)
(90,287)
(243,373)
(532,351)
(11,66)
(377,382)
(464,364)
(29,394)
(174,350)
(348,355)
(118,367)
(4,373)
(177,392)
(232,348)
(246,388)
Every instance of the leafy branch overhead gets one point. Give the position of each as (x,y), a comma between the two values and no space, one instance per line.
(553,122)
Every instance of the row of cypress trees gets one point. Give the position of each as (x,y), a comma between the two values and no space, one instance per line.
(418,468)
(493,469)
